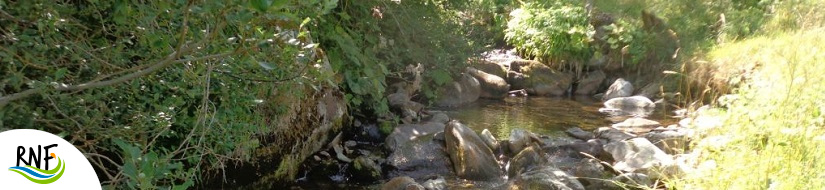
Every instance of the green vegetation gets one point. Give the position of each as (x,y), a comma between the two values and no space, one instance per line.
(775,123)
(552,31)
(161,93)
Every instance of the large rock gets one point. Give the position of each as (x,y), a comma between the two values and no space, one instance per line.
(466,90)
(491,67)
(525,160)
(435,184)
(619,88)
(590,83)
(637,125)
(637,154)
(590,171)
(538,79)
(401,183)
(471,157)
(546,177)
(492,86)
(419,158)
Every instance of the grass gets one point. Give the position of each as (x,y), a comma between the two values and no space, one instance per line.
(776,124)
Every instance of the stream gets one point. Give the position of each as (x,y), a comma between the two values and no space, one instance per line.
(547,117)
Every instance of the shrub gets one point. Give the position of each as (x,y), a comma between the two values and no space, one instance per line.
(552,31)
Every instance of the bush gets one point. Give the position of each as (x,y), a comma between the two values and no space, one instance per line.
(552,31)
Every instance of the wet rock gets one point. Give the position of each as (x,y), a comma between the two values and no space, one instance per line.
(471,158)
(520,138)
(435,184)
(578,133)
(538,79)
(489,139)
(525,160)
(619,88)
(420,158)
(672,141)
(546,177)
(492,86)
(637,125)
(466,90)
(365,169)
(612,134)
(637,154)
(406,132)
(590,83)
(401,183)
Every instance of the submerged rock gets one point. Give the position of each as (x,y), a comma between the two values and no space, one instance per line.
(546,177)
(402,183)
(619,88)
(578,133)
(492,86)
(637,125)
(420,158)
(466,90)
(471,158)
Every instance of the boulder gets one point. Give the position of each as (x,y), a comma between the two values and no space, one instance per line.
(637,125)
(492,86)
(402,183)
(365,169)
(466,90)
(538,79)
(634,180)
(619,88)
(525,160)
(491,67)
(470,156)
(637,154)
(578,133)
(590,83)
(419,158)
(489,139)
(546,177)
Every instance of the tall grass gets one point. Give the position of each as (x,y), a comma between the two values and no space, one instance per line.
(777,122)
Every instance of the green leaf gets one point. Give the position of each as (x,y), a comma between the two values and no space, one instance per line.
(60,73)
(260,5)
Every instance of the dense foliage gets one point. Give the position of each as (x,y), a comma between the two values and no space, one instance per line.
(552,31)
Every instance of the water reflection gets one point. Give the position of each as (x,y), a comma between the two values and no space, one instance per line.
(542,115)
